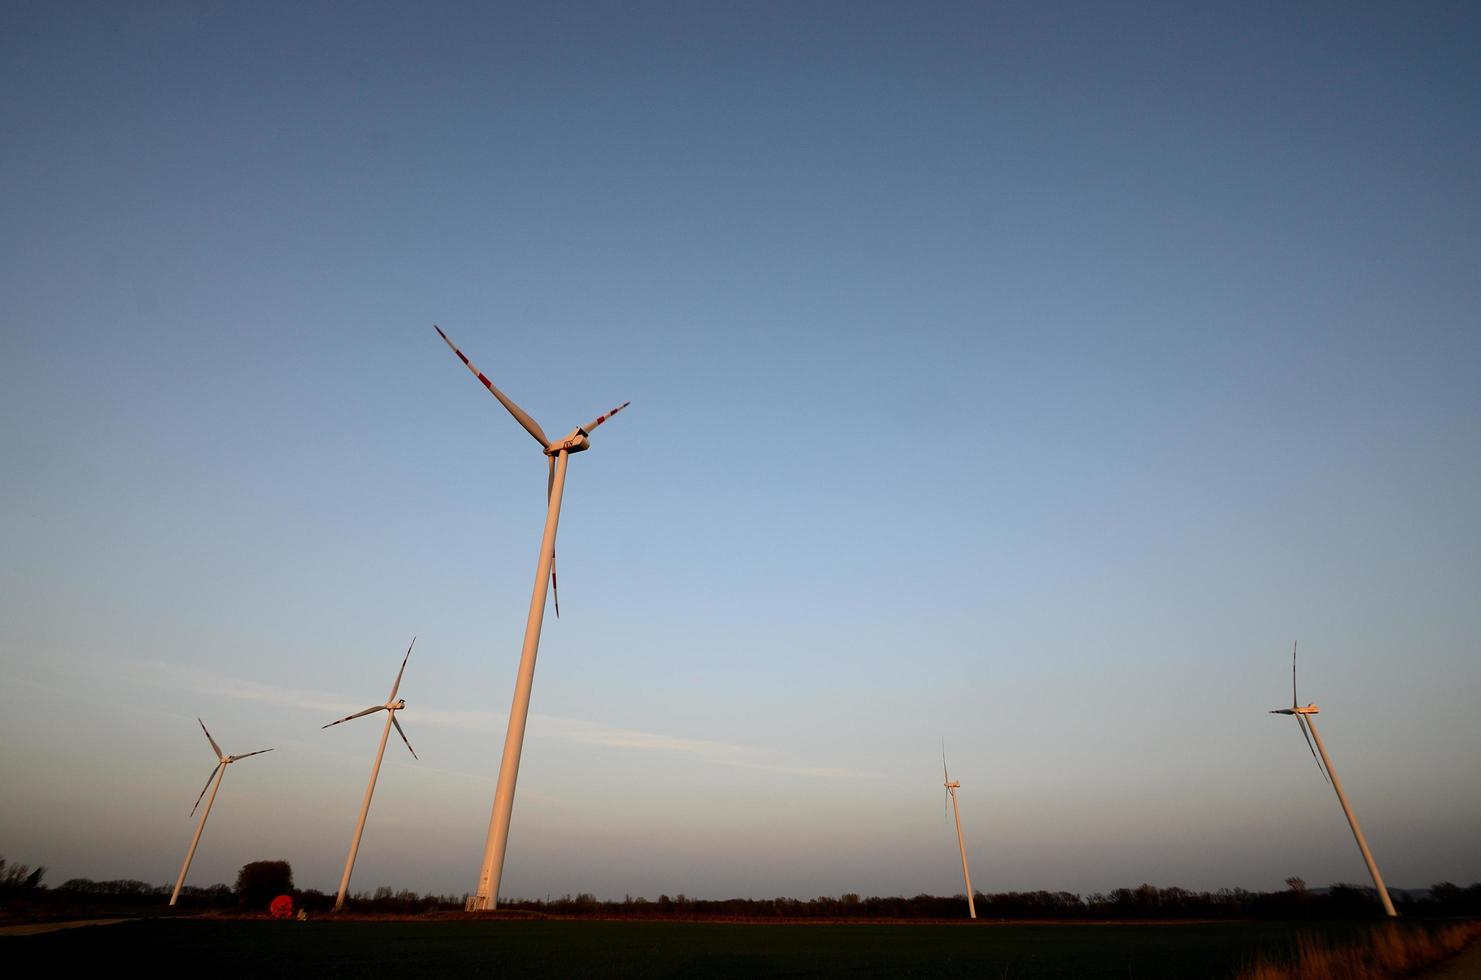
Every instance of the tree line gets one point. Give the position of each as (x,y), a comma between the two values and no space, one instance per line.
(260,881)
(1143,902)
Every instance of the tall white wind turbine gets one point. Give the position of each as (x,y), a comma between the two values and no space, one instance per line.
(557,454)
(952,785)
(391,706)
(213,783)
(1306,718)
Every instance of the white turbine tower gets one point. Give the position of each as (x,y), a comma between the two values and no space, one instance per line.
(213,783)
(952,785)
(557,454)
(390,708)
(1306,718)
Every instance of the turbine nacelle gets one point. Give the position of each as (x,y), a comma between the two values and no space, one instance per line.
(395,705)
(1310,709)
(576,442)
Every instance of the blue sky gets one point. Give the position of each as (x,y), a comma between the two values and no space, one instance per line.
(1025,375)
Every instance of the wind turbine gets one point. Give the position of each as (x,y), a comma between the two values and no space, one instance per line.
(557,454)
(1306,718)
(213,783)
(390,708)
(952,785)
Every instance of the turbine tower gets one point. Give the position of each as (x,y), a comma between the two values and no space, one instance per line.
(952,785)
(557,454)
(213,783)
(390,708)
(1306,718)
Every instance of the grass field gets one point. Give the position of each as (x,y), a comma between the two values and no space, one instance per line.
(665,949)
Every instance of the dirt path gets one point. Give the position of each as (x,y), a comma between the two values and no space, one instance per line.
(1465,966)
(34,928)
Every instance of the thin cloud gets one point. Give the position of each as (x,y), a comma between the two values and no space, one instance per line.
(191,680)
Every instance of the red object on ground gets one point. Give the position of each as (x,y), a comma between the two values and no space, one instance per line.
(282,907)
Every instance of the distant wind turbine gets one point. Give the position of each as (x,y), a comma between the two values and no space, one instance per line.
(1306,718)
(557,454)
(952,785)
(213,783)
(390,708)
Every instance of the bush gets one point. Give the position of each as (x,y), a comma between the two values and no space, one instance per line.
(260,882)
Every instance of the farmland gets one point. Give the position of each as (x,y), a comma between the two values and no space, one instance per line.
(544,948)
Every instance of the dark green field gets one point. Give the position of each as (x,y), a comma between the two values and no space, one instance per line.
(545,949)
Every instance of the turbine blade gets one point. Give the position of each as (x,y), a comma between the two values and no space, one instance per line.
(1294,702)
(397,686)
(404,738)
(549,488)
(520,415)
(358,714)
(214,746)
(602,418)
(945,778)
(1301,720)
(237,758)
(205,787)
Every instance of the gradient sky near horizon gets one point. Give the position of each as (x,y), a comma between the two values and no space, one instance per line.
(1027,375)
